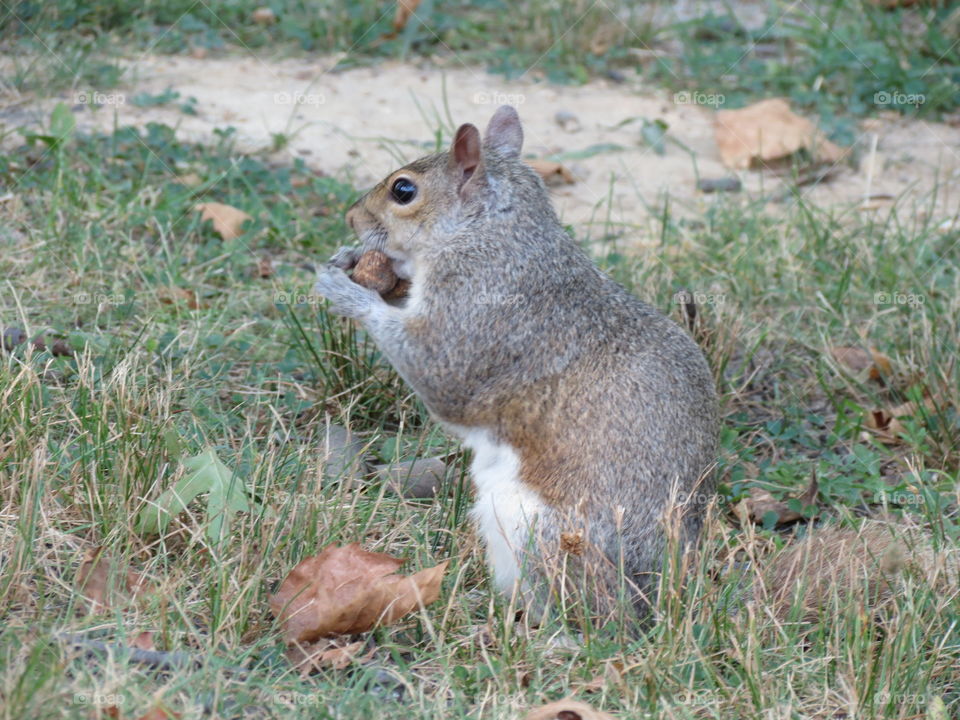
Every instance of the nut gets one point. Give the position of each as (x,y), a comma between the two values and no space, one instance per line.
(374,270)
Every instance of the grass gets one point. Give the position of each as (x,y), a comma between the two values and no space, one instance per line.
(99,230)
(180,343)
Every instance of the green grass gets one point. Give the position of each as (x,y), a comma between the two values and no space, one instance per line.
(839,59)
(97,234)
(98,228)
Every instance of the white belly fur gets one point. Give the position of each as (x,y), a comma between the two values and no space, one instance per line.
(505,510)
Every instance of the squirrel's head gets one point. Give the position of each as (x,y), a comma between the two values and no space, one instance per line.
(439,196)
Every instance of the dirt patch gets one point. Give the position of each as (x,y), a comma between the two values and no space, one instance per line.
(362,123)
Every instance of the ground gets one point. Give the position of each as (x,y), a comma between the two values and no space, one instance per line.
(175,338)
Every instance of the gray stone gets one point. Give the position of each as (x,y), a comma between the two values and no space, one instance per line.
(343,453)
(419,478)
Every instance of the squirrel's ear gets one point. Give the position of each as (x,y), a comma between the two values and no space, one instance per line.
(465,152)
(504,132)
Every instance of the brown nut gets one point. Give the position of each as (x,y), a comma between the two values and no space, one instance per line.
(375,271)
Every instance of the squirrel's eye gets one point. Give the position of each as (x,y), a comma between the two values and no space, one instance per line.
(403,190)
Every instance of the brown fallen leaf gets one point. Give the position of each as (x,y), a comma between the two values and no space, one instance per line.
(325,654)
(347,590)
(611,677)
(159,713)
(93,581)
(567,710)
(405,10)
(227,220)
(553,173)
(760,502)
(144,641)
(572,542)
(888,425)
(264,268)
(769,130)
(172,295)
(860,359)
(190,179)
(263,16)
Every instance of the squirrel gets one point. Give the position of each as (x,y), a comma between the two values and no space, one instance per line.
(592,417)
(588,411)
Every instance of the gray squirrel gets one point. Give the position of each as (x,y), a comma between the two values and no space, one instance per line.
(591,415)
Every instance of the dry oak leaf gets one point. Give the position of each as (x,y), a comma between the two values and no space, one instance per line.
(859,359)
(553,173)
(171,295)
(325,654)
(159,713)
(760,503)
(102,588)
(347,590)
(769,130)
(567,710)
(227,220)
(887,424)
(405,9)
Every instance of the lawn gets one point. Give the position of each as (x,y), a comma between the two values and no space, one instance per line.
(163,338)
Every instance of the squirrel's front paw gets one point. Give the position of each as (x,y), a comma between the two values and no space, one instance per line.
(346,297)
(346,258)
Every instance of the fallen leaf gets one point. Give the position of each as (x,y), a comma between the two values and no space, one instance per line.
(324,654)
(264,268)
(859,359)
(611,677)
(769,130)
(264,16)
(405,10)
(887,424)
(567,710)
(572,542)
(94,581)
(159,713)
(348,590)
(189,179)
(761,505)
(553,173)
(227,220)
(144,641)
(206,473)
(172,295)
